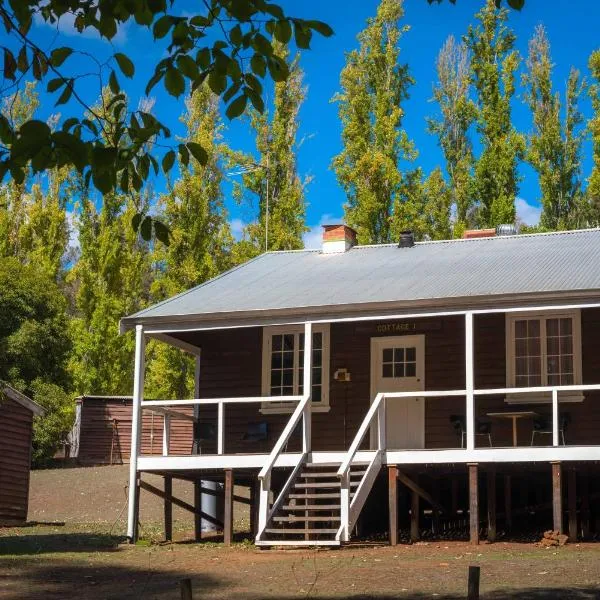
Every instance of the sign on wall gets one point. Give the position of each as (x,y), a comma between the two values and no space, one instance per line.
(399,327)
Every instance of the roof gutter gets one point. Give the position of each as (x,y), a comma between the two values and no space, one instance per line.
(332,313)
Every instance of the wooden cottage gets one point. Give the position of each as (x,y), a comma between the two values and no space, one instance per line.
(16,423)
(415,380)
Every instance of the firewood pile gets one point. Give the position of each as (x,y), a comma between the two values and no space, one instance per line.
(553,538)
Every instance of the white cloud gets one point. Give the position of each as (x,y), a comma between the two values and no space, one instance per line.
(66,26)
(527,213)
(237,228)
(313,237)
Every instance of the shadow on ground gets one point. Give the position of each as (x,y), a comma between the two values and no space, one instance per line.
(44,543)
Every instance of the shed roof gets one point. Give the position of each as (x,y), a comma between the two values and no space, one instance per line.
(471,270)
(21,399)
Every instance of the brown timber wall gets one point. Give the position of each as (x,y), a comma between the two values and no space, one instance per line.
(15,456)
(105,431)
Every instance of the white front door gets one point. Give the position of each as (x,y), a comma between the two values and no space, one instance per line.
(398,365)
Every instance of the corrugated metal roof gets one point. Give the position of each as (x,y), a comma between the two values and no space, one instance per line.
(476,268)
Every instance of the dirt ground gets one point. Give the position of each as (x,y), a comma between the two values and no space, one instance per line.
(86,558)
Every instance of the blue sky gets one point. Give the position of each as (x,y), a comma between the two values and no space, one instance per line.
(572,29)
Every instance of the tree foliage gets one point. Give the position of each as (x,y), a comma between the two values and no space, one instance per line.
(457,116)
(374,84)
(555,145)
(230,44)
(592,206)
(201,240)
(493,64)
(272,183)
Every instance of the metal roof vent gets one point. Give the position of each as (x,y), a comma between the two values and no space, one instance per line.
(407,239)
(507,229)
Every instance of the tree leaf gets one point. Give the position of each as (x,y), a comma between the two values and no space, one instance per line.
(162,27)
(278,68)
(302,35)
(217,82)
(258,64)
(162,232)
(516,4)
(237,106)
(174,82)
(113,83)
(146,228)
(66,94)
(187,65)
(125,64)
(262,45)
(55,84)
(198,152)
(283,31)
(324,29)
(10,65)
(136,220)
(22,62)
(59,55)
(168,161)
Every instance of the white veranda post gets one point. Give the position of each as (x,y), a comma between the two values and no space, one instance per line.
(307,386)
(138,394)
(469,381)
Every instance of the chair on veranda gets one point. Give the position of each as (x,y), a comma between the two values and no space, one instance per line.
(482,428)
(543,425)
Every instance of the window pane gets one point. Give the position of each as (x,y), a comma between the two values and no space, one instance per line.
(317,340)
(411,369)
(411,354)
(566,345)
(276,360)
(316,393)
(551,327)
(387,370)
(521,347)
(520,329)
(288,360)
(275,378)
(533,328)
(533,347)
(277,339)
(553,346)
(535,380)
(567,379)
(287,391)
(388,355)
(566,326)
(288,377)
(317,355)
(522,381)
(534,365)
(553,379)
(399,370)
(316,374)
(398,354)
(566,364)
(288,341)
(553,365)
(521,366)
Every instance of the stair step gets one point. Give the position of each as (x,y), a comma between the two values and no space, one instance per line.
(311,507)
(331,474)
(324,484)
(284,531)
(304,519)
(321,495)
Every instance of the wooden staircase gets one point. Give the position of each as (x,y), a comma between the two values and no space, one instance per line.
(310,513)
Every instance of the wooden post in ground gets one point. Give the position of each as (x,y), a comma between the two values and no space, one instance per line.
(508,502)
(254,505)
(491,503)
(168,508)
(228,516)
(414,514)
(557,497)
(393,503)
(572,504)
(198,507)
(186,589)
(584,485)
(436,513)
(473,503)
(473,585)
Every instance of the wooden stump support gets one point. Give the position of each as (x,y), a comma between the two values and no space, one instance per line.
(228,511)
(491,503)
(473,503)
(168,508)
(393,503)
(508,502)
(197,510)
(557,497)
(572,504)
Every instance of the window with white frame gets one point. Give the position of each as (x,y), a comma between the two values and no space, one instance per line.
(283,366)
(544,350)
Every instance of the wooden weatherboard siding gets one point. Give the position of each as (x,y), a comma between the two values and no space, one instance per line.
(15,455)
(231,366)
(105,431)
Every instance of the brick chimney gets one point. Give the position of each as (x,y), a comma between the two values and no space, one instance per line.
(471,234)
(338,238)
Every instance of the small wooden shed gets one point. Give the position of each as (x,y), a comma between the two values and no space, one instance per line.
(16,424)
(102,431)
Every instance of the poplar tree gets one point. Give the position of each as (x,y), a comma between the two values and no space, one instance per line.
(200,237)
(374,84)
(457,116)
(554,148)
(271,182)
(493,64)
(424,207)
(592,208)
